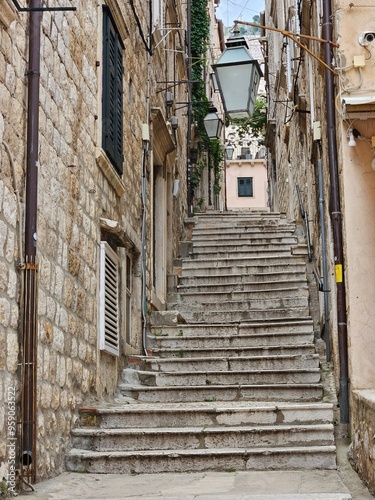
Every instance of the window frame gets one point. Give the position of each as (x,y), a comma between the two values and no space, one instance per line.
(242,191)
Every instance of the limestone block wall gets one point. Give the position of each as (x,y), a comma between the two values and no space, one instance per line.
(296,108)
(12,98)
(77,190)
(362,450)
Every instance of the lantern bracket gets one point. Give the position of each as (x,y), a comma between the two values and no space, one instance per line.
(294,37)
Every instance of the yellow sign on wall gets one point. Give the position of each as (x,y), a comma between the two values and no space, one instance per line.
(338,272)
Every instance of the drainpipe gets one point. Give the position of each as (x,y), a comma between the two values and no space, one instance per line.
(189,117)
(29,354)
(144,188)
(336,216)
(324,262)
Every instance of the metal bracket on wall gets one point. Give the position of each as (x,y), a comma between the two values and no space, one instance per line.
(40,9)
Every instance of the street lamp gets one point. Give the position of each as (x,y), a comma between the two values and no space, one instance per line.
(238,75)
(213,124)
(229,150)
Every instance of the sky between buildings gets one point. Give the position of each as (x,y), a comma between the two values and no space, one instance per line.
(230,10)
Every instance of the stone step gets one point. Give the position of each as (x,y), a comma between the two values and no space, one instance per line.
(231,380)
(240,315)
(235,341)
(230,233)
(292,350)
(249,263)
(224,363)
(270,458)
(283,325)
(236,242)
(264,306)
(236,297)
(233,413)
(238,237)
(237,252)
(239,282)
(213,341)
(225,378)
(201,437)
(293,392)
(264,223)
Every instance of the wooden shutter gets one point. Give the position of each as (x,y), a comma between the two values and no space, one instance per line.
(109,300)
(112,92)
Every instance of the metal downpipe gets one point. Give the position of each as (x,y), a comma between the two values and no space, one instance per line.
(327,337)
(336,217)
(190,118)
(29,353)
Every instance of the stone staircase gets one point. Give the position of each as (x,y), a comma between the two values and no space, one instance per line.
(232,381)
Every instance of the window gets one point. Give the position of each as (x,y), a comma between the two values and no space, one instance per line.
(245,153)
(109,299)
(112,128)
(245,186)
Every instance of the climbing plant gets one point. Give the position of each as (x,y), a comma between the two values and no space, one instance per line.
(254,125)
(200,38)
(216,159)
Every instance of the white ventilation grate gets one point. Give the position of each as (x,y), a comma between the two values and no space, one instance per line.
(108,298)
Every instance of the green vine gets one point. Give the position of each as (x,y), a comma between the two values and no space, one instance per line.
(200,38)
(216,159)
(254,125)
(197,174)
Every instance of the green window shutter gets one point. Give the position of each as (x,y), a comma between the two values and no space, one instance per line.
(245,186)
(112,124)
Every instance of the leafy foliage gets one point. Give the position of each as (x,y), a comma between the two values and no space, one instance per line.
(200,38)
(216,159)
(254,125)
(246,30)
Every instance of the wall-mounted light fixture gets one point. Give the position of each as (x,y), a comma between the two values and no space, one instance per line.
(169,98)
(350,135)
(213,124)
(173,120)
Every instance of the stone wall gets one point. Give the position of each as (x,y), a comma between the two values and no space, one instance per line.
(362,451)
(77,191)
(296,104)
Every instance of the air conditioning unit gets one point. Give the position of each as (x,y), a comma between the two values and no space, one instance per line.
(359,107)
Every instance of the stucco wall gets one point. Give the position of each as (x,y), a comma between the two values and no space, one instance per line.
(359,195)
(245,168)
(358,182)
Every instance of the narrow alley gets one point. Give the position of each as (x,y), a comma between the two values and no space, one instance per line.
(230,402)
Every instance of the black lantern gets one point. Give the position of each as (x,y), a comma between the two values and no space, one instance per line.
(213,124)
(238,75)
